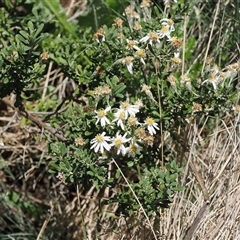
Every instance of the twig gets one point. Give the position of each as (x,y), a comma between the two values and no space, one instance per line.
(210,37)
(45,222)
(9,123)
(200,181)
(47,81)
(195,223)
(184,42)
(81,214)
(134,194)
(36,120)
(56,110)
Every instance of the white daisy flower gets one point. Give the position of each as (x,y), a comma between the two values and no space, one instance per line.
(185,80)
(139,103)
(167,28)
(213,79)
(169,2)
(133,149)
(120,117)
(151,125)
(176,59)
(119,141)
(164,32)
(101,116)
(129,109)
(128,61)
(168,22)
(140,53)
(100,143)
(133,121)
(151,37)
(132,44)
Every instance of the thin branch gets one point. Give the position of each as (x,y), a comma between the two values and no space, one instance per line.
(36,120)
(135,196)
(211,33)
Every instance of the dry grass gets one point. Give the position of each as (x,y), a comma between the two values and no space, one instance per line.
(207,210)
(76,214)
(218,162)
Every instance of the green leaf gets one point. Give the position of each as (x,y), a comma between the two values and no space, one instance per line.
(156,10)
(24,34)
(119,89)
(130,163)
(39,30)
(55,169)
(31,26)
(21,39)
(15,197)
(117,175)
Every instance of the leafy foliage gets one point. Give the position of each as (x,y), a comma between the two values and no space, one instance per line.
(117,96)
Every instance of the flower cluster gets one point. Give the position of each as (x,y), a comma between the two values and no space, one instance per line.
(153,38)
(125,120)
(131,132)
(217,75)
(139,48)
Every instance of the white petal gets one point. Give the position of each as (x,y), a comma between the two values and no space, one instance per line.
(120,123)
(108,109)
(97,120)
(129,67)
(144,39)
(156,126)
(96,148)
(106,146)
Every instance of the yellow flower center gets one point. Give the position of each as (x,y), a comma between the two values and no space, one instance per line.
(141,52)
(164,29)
(128,60)
(149,121)
(118,142)
(153,36)
(122,115)
(133,149)
(101,113)
(99,138)
(125,105)
(176,60)
(132,121)
(131,43)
